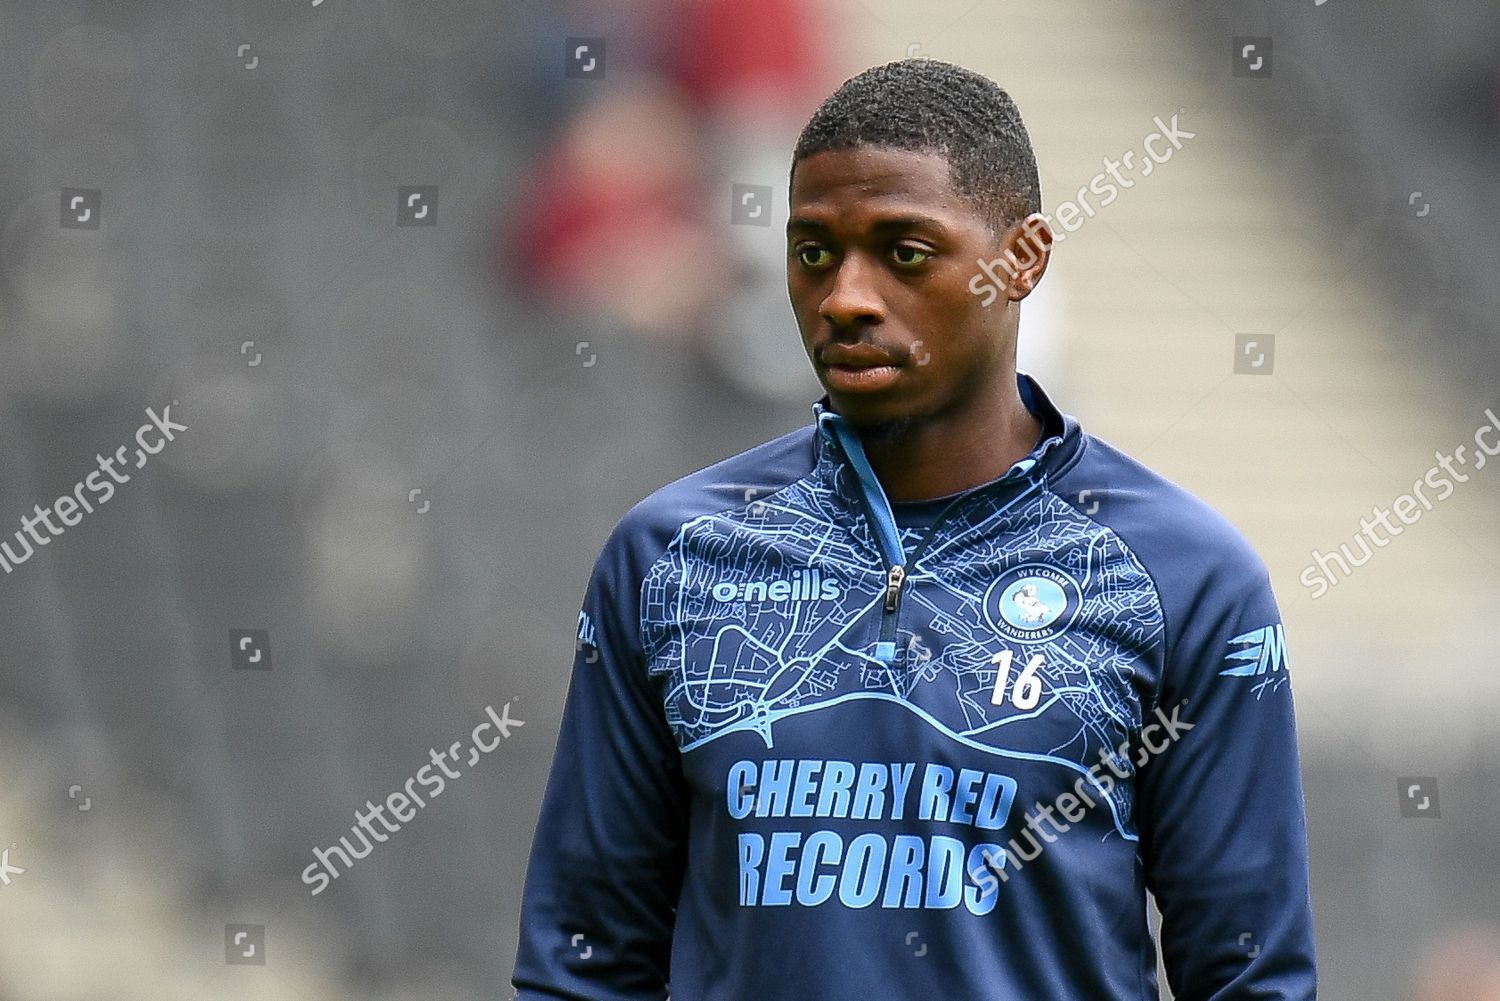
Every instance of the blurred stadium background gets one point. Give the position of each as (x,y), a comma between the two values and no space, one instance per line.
(583,324)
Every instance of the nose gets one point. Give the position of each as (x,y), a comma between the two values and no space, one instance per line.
(853,300)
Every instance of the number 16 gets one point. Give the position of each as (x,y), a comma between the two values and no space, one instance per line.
(1028,691)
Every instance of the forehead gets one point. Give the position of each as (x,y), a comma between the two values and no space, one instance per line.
(871,175)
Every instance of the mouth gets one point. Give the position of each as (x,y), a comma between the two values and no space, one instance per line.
(858,368)
(860,378)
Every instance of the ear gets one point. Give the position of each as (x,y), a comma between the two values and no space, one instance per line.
(1025,249)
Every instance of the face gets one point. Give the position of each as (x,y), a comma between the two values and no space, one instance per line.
(881,252)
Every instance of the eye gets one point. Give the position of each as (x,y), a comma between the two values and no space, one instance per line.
(810,255)
(909,255)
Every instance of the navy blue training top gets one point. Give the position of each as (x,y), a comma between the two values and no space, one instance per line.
(812,753)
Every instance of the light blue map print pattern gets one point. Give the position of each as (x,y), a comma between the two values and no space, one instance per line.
(731,665)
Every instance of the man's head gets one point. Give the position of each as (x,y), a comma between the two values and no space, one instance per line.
(905,179)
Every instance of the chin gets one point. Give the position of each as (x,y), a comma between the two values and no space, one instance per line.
(878,420)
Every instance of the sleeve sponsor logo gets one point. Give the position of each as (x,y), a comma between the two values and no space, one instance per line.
(1261,654)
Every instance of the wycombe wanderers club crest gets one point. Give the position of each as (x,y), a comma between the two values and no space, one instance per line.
(1032,603)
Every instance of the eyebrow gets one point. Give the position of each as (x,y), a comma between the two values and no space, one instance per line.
(884,225)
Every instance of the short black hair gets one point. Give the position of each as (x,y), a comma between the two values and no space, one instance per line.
(931,106)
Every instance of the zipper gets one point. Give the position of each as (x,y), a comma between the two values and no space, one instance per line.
(893,587)
(888,536)
(895,580)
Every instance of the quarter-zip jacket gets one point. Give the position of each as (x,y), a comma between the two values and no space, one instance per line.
(808,754)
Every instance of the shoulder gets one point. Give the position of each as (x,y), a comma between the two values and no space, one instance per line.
(1188,548)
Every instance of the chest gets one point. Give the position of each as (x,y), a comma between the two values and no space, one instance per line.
(1036,633)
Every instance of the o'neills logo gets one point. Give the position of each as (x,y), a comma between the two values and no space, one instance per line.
(804,585)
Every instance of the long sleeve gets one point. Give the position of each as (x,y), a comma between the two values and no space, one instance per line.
(609,851)
(1223,831)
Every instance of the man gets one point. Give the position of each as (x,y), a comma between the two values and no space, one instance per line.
(920,700)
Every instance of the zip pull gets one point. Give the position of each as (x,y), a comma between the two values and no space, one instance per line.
(893,583)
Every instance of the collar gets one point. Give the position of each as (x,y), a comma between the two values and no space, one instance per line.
(1059,443)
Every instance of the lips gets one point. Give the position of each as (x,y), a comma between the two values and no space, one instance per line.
(858,367)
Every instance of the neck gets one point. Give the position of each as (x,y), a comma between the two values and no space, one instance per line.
(957,449)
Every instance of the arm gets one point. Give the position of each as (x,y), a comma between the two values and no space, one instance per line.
(1223,834)
(609,850)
